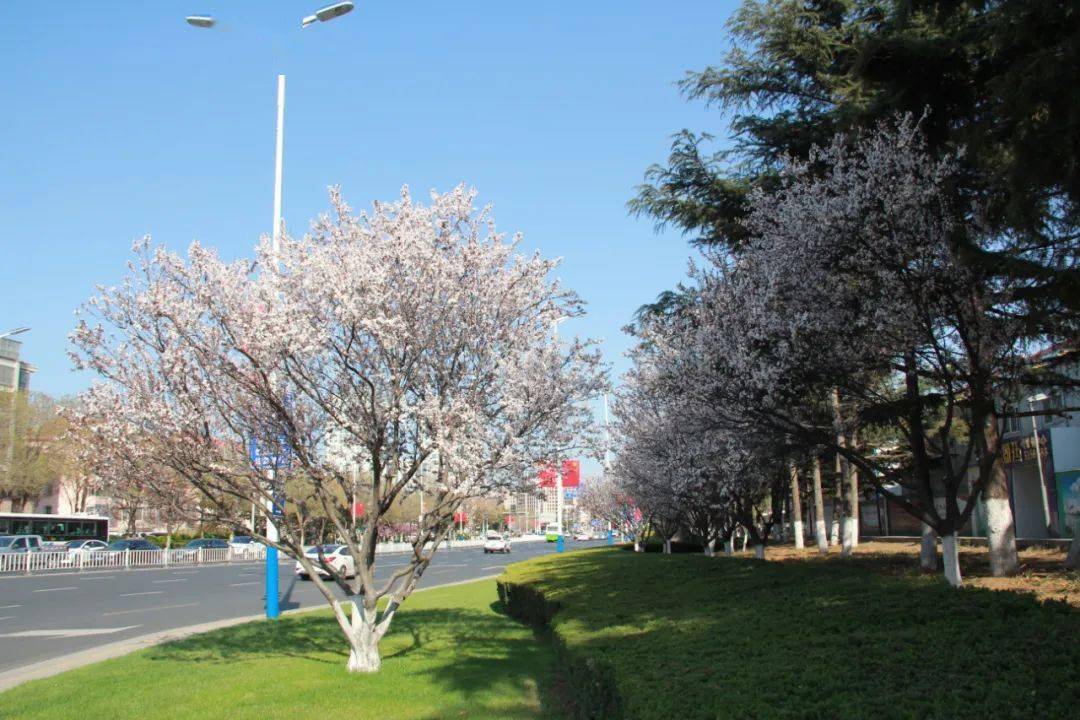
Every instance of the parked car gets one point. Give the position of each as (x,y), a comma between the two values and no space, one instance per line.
(20,543)
(583,536)
(337,556)
(243,545)
(82,548)
(130,544)
(496,543)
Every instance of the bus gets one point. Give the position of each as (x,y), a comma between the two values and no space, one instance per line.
(56,528)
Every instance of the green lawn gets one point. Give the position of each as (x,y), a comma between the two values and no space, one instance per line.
(685,637)
(450,654)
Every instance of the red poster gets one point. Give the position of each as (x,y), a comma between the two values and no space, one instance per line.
(460,517)
(358,509)
(548,476)
(571,473)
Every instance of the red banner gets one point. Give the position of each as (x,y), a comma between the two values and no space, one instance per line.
(358,509)
(548,476)
(460,517)
(571,473)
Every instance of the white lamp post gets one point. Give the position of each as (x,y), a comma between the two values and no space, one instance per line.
(1040,397)
(16,331)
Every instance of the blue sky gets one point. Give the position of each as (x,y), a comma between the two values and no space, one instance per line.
(120,120)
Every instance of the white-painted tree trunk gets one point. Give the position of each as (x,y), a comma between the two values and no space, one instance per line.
(710,547)
(928,559)
(759,552)
(851,532)
(729,546)
(667,546)
(951,557)
(820,534)
(637,545)
(796,509)
(799,542)
(1072,560)
(1001,537)
(363,635)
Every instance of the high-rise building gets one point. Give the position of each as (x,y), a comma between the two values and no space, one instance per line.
(14,373)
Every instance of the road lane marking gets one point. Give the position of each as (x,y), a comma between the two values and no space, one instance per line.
(56,589)
(158,582)
(493,567)
(102,577)
(149,592)
(9,607)
(7,617)
(77,632)
(253,582)
(185,572)
(149,609)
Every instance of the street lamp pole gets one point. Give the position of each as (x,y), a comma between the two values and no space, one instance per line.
(1038,458)
(325,14)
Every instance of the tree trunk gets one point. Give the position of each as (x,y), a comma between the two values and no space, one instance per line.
(637,545)
(1000,529)
(710,547)
(796,508)
(667,546)
(837,507)
(928,559)
(363,635)
(729,546)
(1072,560)
(759,551)
(951,557)
(853,497)
(820,534)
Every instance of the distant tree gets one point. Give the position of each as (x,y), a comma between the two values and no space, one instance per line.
(30,459)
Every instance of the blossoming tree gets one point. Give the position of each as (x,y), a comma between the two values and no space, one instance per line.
(406,337)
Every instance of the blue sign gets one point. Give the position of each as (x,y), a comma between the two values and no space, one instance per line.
(266,457)
(570,493)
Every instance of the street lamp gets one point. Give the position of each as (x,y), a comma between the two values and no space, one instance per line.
(1040,397)
(205,22)
(328,13)
(16,331)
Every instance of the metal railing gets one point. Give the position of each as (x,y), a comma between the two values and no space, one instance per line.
(62,560)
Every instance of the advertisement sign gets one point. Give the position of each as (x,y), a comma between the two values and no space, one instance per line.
(1068,497)
(460,518)
(1022,449)
(269,456)
(571,473)
(358,509)
(570,493)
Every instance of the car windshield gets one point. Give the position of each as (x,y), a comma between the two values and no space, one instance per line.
(326,549)
(241,539)
(6,541)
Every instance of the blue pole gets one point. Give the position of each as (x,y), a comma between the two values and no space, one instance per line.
(610,537)
(559,544)
(272,608)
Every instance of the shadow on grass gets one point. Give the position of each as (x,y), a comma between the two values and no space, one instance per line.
(466,652)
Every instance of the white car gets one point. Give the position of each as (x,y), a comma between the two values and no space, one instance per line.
(496,543)
(583,536)
(337,556)
(243,546)
(76,548)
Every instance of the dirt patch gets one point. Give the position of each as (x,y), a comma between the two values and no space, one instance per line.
(1041,569)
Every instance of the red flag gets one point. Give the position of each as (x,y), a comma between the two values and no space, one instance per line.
(460,517)
(358,509)
(571,473)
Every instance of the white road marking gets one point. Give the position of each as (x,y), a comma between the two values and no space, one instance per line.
(185,572)
(253,582)
(158,582)
(138,610)
(493,567)
(100,577)
(56,589)
(149,592)
(77,632)
(7,617)
(9,607)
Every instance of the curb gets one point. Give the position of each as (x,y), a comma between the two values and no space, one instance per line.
(48,668)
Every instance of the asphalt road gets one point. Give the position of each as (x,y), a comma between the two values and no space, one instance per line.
(48,616)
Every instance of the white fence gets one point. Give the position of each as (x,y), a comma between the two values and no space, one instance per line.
(62,560)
